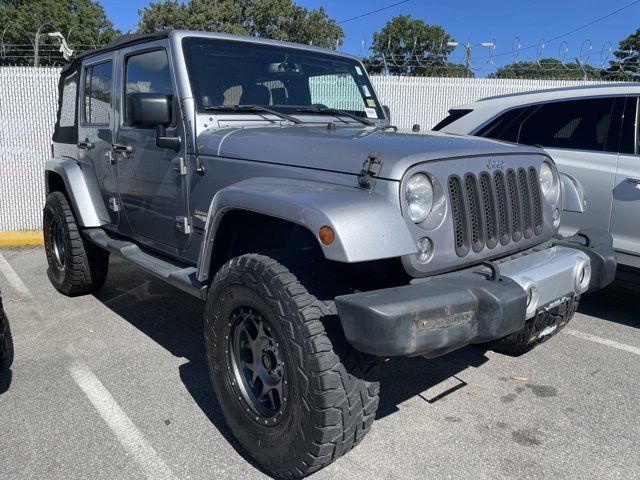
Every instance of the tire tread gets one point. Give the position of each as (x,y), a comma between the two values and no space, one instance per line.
(344,394)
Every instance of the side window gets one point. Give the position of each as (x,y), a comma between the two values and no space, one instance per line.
(630,136)
(506,126)
(98,81)
(147,73)
(576,124)
(68,103)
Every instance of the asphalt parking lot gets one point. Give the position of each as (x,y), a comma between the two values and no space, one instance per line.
(115,386)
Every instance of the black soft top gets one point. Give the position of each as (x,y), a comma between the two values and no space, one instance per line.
(121,41)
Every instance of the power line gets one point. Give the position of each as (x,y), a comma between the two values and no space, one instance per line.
(366,14)
(582,27)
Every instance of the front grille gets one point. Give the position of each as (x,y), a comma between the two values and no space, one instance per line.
(488,210)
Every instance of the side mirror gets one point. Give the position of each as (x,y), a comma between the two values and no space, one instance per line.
(148,110)
(153,110)
(387,112)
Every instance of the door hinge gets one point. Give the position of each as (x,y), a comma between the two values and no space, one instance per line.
(114,204)
(180,166)
(183,224)
(370,169)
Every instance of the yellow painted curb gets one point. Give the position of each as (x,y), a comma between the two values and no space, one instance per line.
(21,238)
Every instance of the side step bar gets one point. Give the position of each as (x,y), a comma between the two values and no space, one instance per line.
(182,277)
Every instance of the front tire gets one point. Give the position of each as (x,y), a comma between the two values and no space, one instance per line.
(76,266)
(537,330)
(293,392)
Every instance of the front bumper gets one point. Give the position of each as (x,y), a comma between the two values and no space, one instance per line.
(476,305)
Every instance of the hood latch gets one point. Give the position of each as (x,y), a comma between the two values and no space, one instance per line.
(370,169)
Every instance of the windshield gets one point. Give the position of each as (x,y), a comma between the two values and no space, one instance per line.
(229,73)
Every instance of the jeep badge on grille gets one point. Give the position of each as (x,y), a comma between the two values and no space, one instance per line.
(495,164)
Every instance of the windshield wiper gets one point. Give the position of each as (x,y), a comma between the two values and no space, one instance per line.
(335,112)
(250,108)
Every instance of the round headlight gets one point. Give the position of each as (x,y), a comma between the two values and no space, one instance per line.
(419,197)
(547,178)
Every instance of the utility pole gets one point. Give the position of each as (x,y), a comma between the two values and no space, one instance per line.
(36,46)
(36,49)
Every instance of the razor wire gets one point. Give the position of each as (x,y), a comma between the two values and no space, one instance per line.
(448,55)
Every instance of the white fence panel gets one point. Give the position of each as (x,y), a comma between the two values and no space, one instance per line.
(28,102)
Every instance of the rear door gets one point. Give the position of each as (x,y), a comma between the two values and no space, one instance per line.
(95,126)
(625,217)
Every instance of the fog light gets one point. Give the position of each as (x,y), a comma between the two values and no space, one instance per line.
(425,250)
(583,277)
(532,300)
(556,218)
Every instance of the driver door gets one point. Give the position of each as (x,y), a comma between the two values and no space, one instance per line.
(151,182)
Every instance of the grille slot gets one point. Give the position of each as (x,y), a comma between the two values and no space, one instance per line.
(525,195)
(516,207)
(460,217)
(488,210)
(534,184)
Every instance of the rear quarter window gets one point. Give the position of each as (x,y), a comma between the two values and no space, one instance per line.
(455,114)
(98,82)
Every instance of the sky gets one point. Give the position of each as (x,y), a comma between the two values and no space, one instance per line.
(468,21)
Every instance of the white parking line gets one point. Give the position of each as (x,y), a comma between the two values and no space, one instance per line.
(124,429)
(604,341)
(14,280)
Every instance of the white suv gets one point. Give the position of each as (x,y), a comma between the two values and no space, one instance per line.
(592,134)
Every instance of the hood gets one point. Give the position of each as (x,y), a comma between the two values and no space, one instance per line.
(345,149)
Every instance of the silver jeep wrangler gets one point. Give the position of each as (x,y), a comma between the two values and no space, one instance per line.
(266,179)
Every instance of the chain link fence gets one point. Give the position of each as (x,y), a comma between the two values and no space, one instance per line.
(28,102)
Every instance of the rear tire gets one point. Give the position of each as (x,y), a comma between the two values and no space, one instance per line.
(324,394)
(76,266)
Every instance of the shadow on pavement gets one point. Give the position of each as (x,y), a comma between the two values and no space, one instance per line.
(174,320)
(618,302)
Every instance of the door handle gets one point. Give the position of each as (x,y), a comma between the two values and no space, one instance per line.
(86,144)
(118,148)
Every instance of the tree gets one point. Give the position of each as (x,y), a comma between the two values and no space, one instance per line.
(276,19)
(408,46)
(547,68)
(626,66)
(83,23)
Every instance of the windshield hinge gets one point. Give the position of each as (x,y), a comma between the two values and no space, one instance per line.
(370,169)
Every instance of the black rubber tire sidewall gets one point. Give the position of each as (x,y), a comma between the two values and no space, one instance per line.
(85,265)
(54,211)
(277,438)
